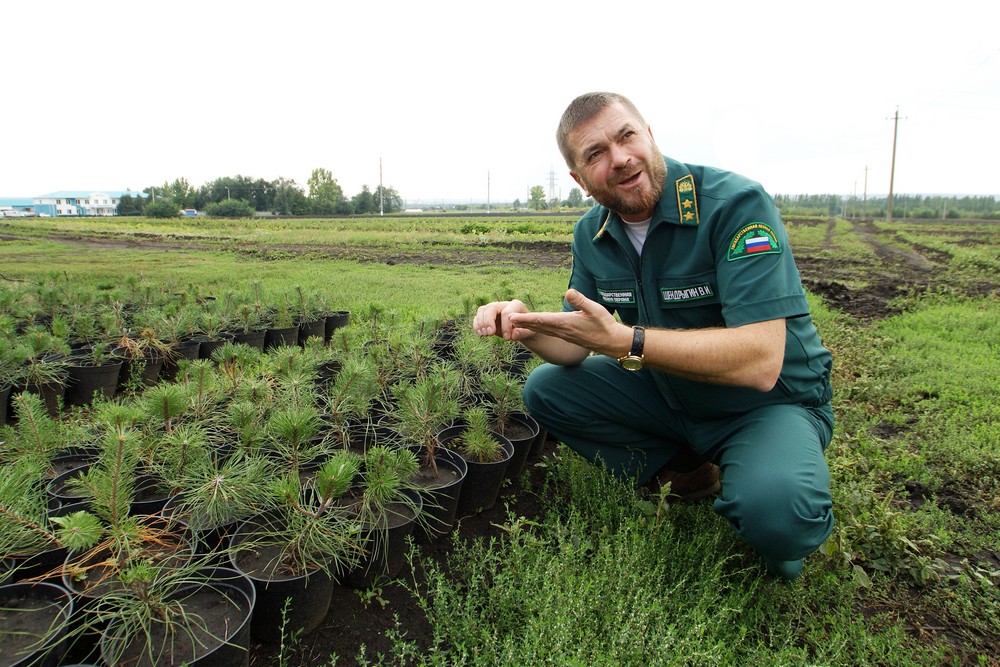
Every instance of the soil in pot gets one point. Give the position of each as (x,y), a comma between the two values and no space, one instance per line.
(309,593)
(386,545)
(33,624)
(483,481)
(218,634)
(440,491)
(521,430)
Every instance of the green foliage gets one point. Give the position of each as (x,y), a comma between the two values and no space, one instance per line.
(161,208)
(477,441)
(230,208)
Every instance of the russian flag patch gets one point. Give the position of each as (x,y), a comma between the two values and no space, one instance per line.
(756,238)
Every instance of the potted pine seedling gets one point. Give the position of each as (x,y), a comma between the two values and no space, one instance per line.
(347,401)
(501,392)
(281,330)
(178,328)
(388,507)
(143,356)
(235,363)
(212,332)
(12,361)
(250,329)
(219,493)
(310,324)
(183,615)
(92,373)
(33,537)
(44,371)
(487,454)
(292,441)
(296,550)
(423,408)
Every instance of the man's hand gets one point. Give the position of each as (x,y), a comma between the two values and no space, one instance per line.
(591,327)
(493,319)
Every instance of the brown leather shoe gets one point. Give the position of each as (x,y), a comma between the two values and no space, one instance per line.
(701,482)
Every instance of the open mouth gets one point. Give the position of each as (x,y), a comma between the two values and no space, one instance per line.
(631,180)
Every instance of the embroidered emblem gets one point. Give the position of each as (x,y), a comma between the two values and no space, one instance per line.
(600,232)
(687,201)
(754,239)
(618,296)
(675,294)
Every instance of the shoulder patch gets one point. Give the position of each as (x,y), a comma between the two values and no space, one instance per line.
(687,200)
(753,239)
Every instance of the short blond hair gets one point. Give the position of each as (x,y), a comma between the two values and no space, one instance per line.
(582,109)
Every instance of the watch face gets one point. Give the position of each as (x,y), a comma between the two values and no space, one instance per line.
(631,363)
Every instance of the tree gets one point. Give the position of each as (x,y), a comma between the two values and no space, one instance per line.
(324,192)
(387,200)
(363,201)
(537,201)
(575,199)
(161,208)
(180,191)
(129,205)
(289,198)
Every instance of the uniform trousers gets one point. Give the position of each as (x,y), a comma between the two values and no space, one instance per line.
(775,482)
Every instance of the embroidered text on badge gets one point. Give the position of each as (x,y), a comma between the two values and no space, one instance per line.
(753,239)
(618,296)
(686,293)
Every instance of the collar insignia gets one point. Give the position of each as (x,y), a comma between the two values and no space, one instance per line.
(687,201)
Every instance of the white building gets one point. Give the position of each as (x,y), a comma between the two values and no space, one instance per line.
(81,202)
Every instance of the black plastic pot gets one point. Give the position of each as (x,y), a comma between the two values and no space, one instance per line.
(208,346)
(228,633)
(482,483)
(310,329)
(526,430)
(281,337)
(185,349)
(441,498)
(309,594)
(386,546)
(254,339)
(4,403)
(148,367)
(88,381)
(334,321)
(43,609)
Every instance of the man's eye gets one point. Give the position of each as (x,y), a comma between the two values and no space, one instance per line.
(593,156)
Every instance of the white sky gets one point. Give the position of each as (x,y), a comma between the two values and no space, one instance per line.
(454,95)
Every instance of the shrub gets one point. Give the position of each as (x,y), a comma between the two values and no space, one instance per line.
(161,208)
(230,208)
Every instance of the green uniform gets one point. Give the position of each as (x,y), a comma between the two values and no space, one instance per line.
(715,255)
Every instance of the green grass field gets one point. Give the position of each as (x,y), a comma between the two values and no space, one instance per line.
(910,575)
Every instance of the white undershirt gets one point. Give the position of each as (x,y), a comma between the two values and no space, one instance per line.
(637,233)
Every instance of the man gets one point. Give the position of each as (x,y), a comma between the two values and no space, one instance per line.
(715,359)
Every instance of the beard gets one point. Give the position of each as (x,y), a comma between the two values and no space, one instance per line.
(641,200)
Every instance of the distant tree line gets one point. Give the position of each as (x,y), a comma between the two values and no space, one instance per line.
(982,207)
(243,196)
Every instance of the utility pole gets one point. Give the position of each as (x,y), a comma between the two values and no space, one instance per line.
(892,171)
(864,202)
(381,190)
(487,192)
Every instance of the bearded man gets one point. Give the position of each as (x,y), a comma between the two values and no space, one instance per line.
(684,353)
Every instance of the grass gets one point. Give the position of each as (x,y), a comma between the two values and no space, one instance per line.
(909,577)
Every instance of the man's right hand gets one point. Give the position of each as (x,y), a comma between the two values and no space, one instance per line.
(493,319)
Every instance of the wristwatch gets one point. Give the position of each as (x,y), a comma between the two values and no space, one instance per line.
(633,361)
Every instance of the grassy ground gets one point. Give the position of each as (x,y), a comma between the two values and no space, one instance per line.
(911,573)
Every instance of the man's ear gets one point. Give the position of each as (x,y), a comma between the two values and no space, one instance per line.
(579,182)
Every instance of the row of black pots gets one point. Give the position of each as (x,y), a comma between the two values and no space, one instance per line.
(87,381)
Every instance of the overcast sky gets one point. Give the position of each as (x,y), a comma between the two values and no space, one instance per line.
(459,100)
